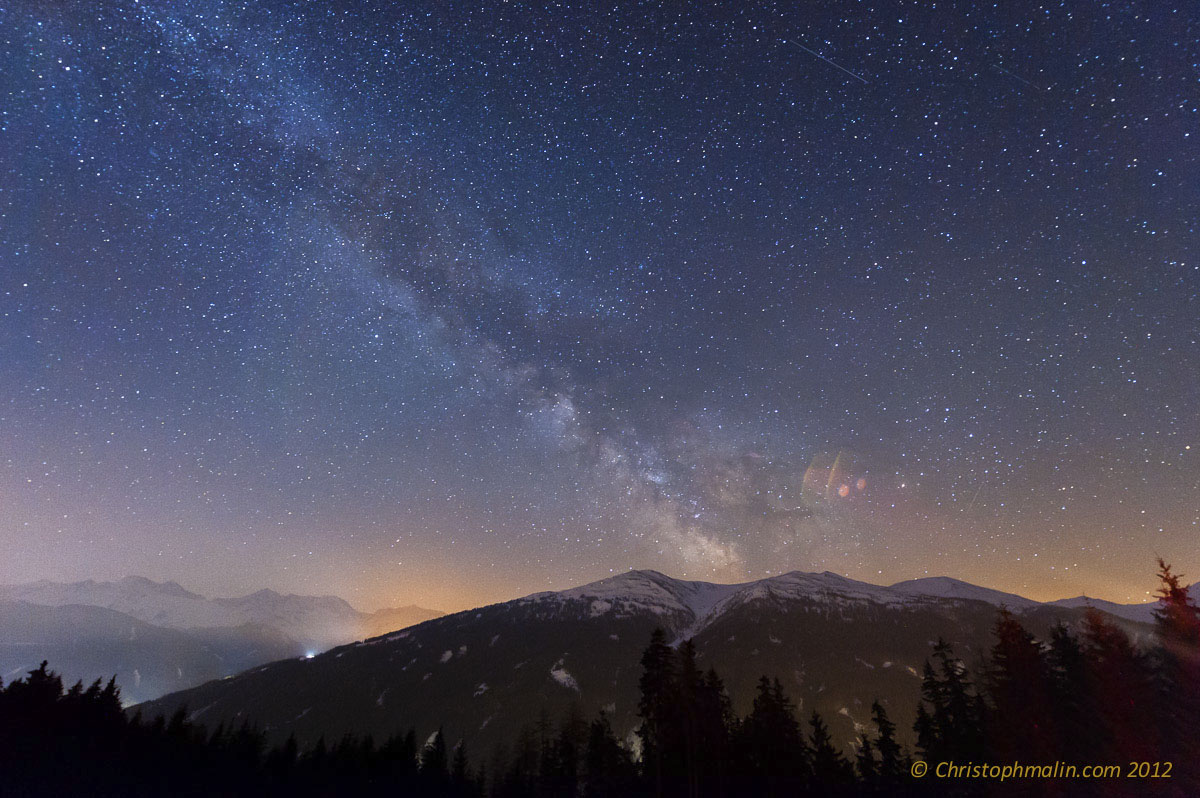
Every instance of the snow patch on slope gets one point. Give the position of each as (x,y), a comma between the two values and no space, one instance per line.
(563,677)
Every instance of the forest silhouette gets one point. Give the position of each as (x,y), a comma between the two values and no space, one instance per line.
(1080,698)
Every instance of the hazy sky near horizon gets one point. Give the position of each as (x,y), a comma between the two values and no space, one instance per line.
(448,303)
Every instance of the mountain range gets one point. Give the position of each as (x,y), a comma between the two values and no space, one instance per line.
(837,644)
(159,637)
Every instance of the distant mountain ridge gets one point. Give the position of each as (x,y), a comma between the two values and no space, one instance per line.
(315,621)
(836,643)
(947,587)
(158,636)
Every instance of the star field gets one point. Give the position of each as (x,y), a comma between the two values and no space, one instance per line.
(449,303)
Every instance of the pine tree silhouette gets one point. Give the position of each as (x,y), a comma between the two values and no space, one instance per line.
(1018,686)
(1177,665)
(1122,690)
(774,758)
(608,768)
(831,773)
(865,764)
(892,766)
(435,765)
(658,710)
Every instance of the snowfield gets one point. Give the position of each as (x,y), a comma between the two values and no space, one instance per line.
(699,604)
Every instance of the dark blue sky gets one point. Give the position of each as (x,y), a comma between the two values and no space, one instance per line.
(450,302)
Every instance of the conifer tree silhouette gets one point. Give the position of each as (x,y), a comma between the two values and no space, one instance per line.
(892,767)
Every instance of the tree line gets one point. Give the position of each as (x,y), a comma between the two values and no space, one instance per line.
(1087,697)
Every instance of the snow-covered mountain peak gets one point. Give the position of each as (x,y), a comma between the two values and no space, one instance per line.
(825,588)
(944,587)
(643,591)
(688,607)
(693,605)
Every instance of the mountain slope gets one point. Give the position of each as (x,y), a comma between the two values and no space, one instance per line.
(836,643)
(390,619)
(947,588)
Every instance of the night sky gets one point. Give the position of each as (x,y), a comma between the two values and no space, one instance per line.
(447,303)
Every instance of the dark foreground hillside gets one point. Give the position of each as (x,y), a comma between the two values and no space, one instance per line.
(1039,710)
(836,645)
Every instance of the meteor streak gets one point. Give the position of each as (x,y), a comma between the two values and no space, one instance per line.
(1018,77)
(826,60)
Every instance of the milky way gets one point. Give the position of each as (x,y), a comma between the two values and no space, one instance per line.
(453,302)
